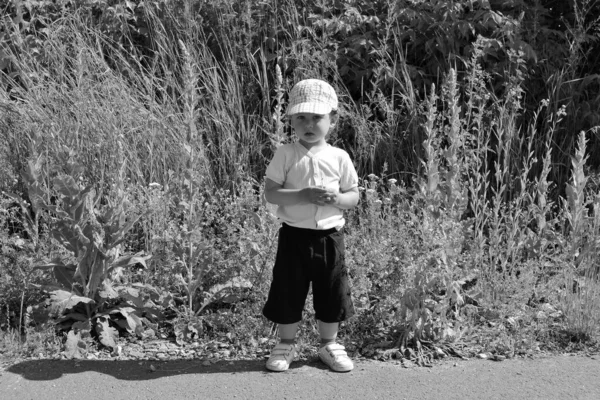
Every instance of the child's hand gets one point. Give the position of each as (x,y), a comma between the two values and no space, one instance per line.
(342,200)
(316,195)
(330,197)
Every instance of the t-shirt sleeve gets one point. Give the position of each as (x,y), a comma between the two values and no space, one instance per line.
(276,168)
(348,175)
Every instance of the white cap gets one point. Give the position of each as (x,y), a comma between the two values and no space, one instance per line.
(312,96)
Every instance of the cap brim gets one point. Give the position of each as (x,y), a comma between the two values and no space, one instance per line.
(312,108)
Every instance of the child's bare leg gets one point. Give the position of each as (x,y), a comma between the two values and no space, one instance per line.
(328,332)
(287,332)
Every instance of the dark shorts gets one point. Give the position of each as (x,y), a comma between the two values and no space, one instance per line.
(305,256)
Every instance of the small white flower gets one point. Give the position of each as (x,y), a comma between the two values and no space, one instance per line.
(370,191)
(372,176)
(361,189)
(377,201)
(392,181)
(155,185)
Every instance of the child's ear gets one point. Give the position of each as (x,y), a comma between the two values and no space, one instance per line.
(333,117)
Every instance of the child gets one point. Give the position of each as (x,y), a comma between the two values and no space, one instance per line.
(312,183)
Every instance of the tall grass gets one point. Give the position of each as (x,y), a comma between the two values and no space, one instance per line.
(581,273)
(112,112)
(187,128)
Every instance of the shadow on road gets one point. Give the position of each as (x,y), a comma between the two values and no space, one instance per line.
(46,370)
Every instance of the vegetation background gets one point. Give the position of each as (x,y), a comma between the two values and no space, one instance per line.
(135,135)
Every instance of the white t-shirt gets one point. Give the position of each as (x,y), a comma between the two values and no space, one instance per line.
(295,167)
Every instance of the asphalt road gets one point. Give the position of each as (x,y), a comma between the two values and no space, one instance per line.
(556,377)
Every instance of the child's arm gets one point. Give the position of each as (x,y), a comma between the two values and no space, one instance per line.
(276,194)
(343,200)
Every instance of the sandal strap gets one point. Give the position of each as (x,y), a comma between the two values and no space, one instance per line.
(282,350)
(278,352)
(336,350)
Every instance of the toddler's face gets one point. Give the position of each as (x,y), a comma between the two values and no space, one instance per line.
(311,129)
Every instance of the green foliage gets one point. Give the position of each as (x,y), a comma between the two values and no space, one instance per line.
(384,55)
(82,295)
(91,233)
(462,116)
(16,270)
(216,256)
(582,272)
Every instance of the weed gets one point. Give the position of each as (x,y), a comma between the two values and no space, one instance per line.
(478,220)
